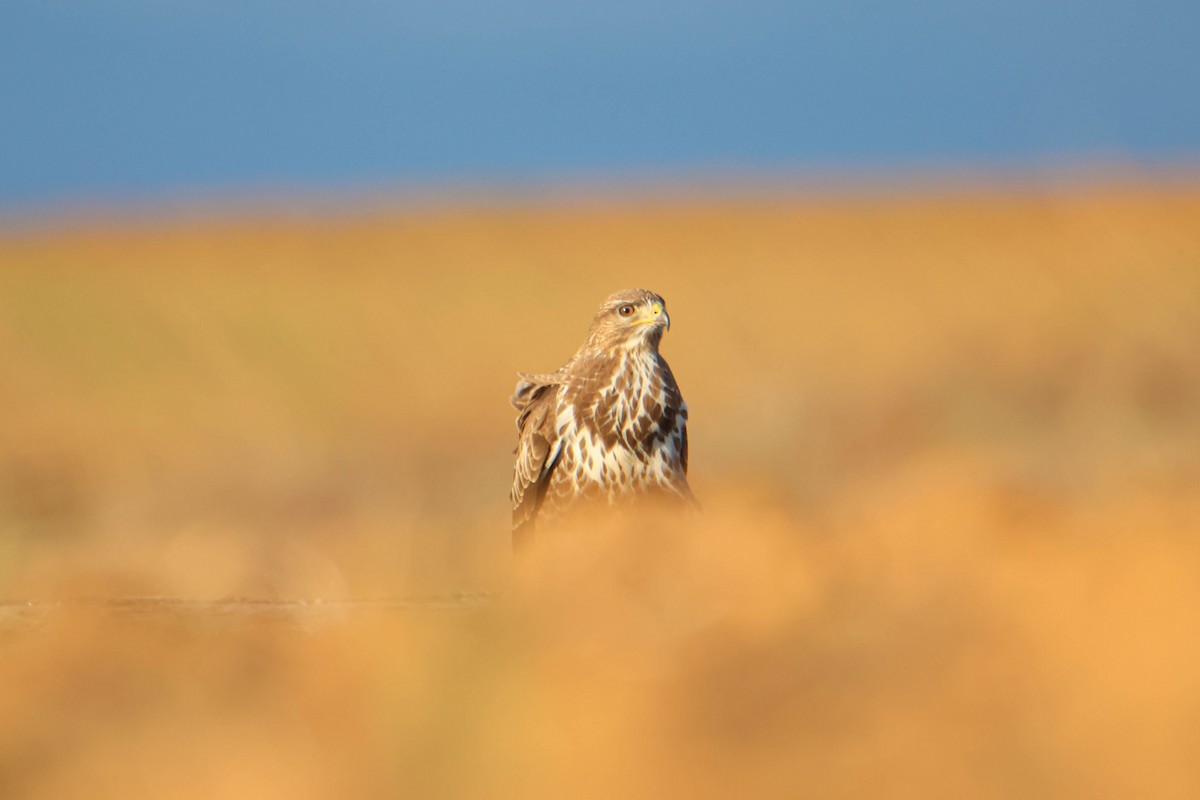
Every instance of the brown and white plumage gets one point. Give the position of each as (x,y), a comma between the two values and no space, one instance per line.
(608,426)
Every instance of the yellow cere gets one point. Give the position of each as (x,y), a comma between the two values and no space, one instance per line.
(657,309)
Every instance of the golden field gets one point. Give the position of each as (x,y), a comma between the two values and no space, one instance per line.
(253,513)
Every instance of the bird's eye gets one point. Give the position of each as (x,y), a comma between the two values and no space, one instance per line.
(625,311)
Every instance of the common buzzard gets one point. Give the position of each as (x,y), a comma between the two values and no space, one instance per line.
(608,426)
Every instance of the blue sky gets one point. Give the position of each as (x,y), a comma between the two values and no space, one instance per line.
(148,99)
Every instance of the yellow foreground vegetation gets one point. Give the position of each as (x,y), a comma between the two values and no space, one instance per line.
(948,447)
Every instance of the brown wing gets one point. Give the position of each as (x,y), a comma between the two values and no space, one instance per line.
(678,412)
(675,414)
(537,454)
(683,447)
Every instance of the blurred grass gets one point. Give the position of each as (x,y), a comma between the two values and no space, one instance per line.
(949,445)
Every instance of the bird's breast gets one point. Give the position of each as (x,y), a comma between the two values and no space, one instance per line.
(617,427)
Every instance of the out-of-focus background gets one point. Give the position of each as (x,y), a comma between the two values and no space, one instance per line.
(267,273)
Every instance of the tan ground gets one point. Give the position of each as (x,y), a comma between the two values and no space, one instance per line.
(948,445)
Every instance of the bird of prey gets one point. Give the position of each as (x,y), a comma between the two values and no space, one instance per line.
(608,426)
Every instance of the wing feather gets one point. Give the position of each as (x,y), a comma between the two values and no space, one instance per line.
(536,453)
(683,447)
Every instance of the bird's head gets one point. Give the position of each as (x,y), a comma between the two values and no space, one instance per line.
(629,319)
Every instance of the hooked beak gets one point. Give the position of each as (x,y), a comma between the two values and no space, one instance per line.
(658,312)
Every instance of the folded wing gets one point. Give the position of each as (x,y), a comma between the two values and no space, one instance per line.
(536,453)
